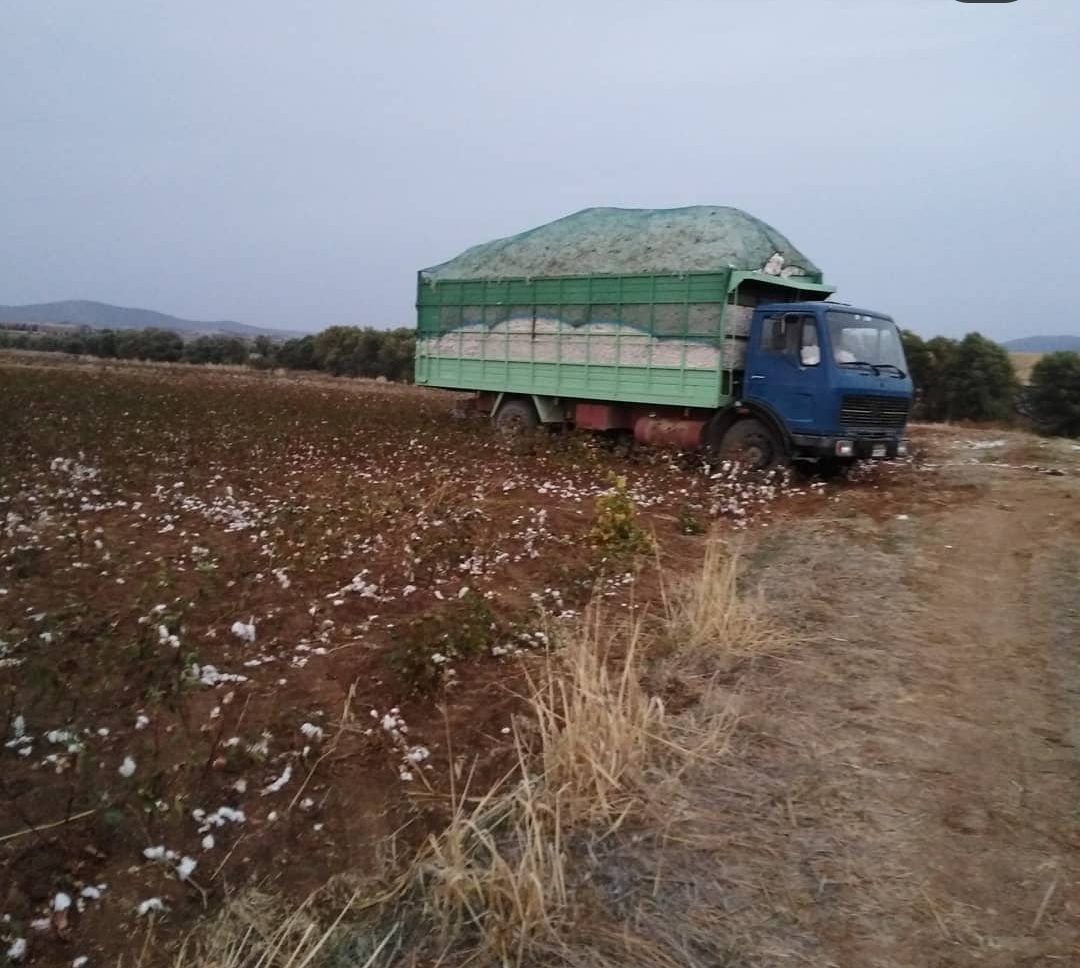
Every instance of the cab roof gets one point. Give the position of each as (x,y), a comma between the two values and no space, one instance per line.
(813,305)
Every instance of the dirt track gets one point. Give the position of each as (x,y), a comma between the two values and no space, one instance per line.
(982,754)
(924,756)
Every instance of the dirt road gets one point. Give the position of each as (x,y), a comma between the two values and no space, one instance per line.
(983,751)
(924,759)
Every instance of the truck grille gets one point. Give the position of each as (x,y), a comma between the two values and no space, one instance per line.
(866,410)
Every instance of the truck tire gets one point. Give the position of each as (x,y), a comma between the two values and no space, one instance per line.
(515,418)
(752,444)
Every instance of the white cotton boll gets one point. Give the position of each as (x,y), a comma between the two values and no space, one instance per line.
(41,925)
(186,868)
(141,721)
(17,950)
(154,853)
(80,962)
(244,630)
(150,904)
(208,842)
(91,893)
(311,731)
(61,902)
(127,768)
(279,782)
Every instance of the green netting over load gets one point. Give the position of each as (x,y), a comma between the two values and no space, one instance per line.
(618,241)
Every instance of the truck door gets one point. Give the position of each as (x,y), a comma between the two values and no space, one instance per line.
(784,367)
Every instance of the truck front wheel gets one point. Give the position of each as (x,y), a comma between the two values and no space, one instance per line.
(515,418)
(752,444)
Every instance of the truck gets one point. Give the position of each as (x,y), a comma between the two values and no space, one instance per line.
(699,328)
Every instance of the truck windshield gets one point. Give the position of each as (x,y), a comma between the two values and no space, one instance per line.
(858,339)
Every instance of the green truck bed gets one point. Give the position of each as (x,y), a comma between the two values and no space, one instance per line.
(641,338)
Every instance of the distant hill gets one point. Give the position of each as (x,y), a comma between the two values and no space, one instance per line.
(82,312)
(1043,344)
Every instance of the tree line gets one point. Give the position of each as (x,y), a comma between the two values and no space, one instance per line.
(339,350)
(971,379)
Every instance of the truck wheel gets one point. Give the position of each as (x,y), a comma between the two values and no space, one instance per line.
(516,418)
(751,443)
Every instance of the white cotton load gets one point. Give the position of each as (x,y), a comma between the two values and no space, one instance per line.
(546,340)
(604,241)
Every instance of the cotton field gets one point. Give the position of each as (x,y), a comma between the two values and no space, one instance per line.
(241,615)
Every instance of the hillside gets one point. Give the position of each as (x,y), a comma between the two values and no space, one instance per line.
(1043,344)
(83,312)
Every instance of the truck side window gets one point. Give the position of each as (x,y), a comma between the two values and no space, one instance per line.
(809,349)
(772,335)
(780,335)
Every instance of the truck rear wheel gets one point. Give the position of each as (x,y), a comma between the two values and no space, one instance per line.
(751,443)
(515,418)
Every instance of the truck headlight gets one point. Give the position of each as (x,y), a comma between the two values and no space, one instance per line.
(844,448)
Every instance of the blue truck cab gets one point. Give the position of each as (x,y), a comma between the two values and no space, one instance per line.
(831,379)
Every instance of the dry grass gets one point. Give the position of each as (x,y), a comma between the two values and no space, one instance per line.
(514,877)
(596,754)
(598,731)
(711,624)
(257,931)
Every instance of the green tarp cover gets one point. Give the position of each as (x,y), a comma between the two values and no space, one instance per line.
(626,241)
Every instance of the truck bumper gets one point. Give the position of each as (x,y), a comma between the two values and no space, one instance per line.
(852,448)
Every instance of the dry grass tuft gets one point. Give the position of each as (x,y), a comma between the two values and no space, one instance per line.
(255,930)
(596,753)
(598,731)
(495,878)
(711,625)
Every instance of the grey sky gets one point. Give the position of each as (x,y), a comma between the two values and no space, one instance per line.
(295,164)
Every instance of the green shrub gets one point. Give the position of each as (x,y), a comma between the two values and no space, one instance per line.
(616,532)
(1053,399)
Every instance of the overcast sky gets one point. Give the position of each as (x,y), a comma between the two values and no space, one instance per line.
(294,164)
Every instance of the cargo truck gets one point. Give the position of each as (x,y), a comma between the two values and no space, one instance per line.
(692,328)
